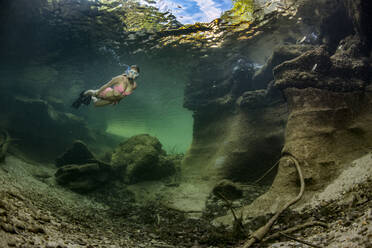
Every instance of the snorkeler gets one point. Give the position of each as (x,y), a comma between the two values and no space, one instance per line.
(112,92)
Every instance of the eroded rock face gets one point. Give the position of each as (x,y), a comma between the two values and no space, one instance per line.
(239,118)
(318,69)
(330,111)
(239,145)
(265,75)
(326,129)
(327,90)
(142,158)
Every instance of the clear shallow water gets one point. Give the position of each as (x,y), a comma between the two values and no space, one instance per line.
(72,52)
(168,121)
(155,108)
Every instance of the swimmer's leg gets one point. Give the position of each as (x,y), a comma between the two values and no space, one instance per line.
(90,92)
(82,99)
(100,102)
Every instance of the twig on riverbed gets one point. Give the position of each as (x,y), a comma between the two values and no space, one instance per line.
(236,219)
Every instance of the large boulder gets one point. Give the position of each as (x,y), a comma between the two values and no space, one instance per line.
(77,154)
(228,189)
(84,177)
(80,170)
(142,158)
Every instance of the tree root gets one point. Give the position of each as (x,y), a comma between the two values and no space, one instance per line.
(260,233)
(4,144)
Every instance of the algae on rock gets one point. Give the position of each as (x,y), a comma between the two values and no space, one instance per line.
(142,158)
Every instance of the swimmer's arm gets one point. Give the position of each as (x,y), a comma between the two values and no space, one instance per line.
(126,86)
(112,82)
(126,83)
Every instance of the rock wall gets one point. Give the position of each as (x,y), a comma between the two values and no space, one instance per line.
(329,110)
(238,128)
(326,88)
(240,144)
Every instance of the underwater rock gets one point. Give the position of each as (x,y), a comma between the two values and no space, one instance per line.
(338,122)
(77,154)
(142,158)
(83,177)
(328,124)
(80,170)
(329,108)
(262,77)
(253,99)
(316,68)
(228,190)
(239,145)
(328,121)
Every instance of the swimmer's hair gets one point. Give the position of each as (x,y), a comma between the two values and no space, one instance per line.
(136,67)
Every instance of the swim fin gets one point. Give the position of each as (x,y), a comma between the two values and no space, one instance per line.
(82,99)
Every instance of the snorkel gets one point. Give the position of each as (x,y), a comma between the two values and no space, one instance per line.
(132,72)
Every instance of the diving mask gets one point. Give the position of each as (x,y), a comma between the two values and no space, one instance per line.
(132,74)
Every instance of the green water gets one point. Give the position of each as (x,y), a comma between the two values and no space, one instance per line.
(57,49)
(155,108)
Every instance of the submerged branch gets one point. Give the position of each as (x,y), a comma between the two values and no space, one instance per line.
(259,234)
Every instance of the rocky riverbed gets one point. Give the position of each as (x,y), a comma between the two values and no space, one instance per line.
(36,212)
